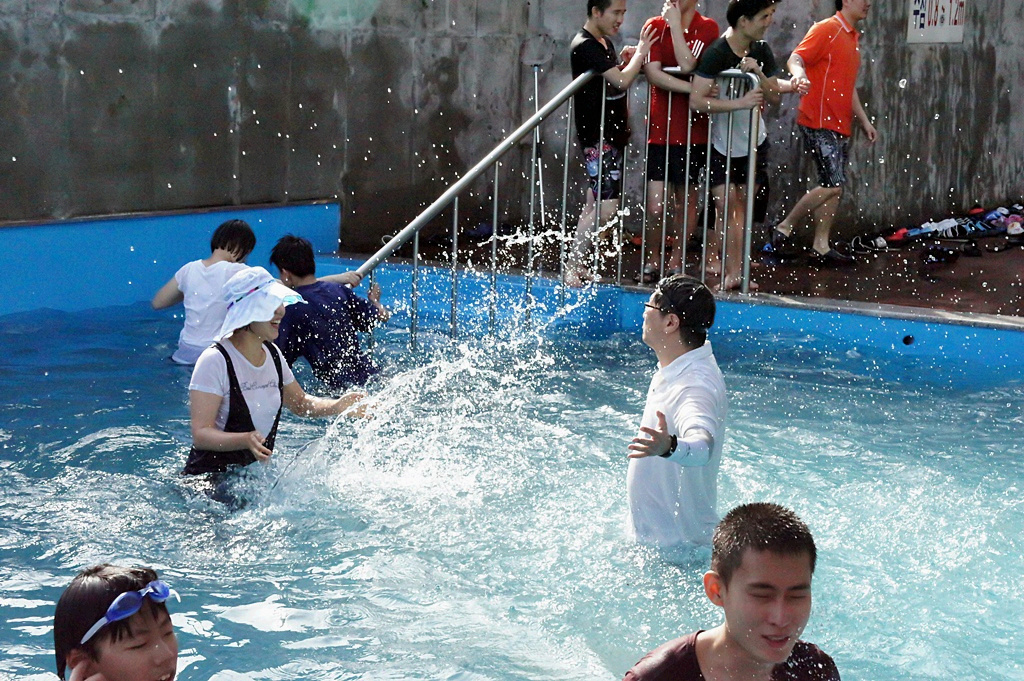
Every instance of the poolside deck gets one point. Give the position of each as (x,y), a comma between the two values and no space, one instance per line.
(992,284)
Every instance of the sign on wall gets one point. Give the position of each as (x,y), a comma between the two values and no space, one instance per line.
(936,21)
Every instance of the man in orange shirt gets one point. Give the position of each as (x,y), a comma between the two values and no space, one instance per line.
(824,67)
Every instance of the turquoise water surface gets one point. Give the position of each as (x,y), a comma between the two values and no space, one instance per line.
(473,529)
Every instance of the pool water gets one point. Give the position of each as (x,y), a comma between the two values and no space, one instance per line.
(473,529)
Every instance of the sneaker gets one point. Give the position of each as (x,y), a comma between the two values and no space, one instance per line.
(832,258)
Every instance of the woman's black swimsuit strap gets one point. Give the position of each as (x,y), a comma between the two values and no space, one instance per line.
(239,421)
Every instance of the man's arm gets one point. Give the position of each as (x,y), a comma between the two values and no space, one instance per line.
(862,117)
(799,82)
(383,314)
(684,55)
(770,86)
(702,101)
(169,294)
(692,449)
(623,77)
(657,77)
(350,279)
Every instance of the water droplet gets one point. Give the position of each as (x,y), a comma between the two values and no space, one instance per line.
(903,83)
(936,116)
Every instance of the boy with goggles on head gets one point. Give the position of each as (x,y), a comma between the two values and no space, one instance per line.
(111,624)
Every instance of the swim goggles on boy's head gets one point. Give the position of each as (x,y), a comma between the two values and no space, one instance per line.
(129,603)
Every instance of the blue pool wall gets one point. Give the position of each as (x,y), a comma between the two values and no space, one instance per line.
(85,264)
(89,263)
(599,311)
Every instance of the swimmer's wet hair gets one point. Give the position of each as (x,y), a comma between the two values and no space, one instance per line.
(295,254)
(86,600)
(235,236)
(762,527)
(692,302)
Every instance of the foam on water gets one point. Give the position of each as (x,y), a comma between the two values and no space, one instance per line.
(473,529)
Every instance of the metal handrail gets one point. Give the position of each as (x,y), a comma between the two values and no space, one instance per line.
(531,125)
(471,176)
(735,76)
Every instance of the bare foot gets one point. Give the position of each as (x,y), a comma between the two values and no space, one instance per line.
(713,268)
(734,282)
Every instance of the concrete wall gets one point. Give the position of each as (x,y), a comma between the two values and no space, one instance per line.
(112,106)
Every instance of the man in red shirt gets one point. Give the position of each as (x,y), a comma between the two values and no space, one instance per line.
(678,18)
(824,67)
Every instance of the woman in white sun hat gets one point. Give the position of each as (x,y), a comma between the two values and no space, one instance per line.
(240,383)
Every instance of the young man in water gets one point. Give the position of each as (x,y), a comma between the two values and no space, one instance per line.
(324,329)
(672,479)
(762,562)
(112,624)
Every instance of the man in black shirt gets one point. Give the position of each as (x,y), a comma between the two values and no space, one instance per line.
(592,50)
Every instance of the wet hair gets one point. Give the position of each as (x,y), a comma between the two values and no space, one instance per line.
(759,526)
(599,5)
(295,254)
(86,600)
(747,8)
(235,236)
(692,302)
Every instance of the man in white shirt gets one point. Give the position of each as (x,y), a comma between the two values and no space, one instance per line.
(672,480)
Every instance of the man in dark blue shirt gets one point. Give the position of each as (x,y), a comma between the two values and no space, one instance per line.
(324,329)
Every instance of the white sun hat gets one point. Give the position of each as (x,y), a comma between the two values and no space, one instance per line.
(253,295)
